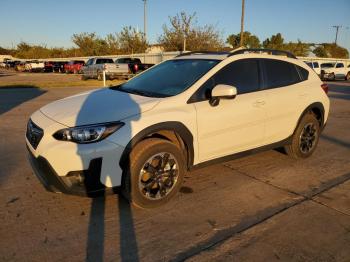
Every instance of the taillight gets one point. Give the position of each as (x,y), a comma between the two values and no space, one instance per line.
(325,88)
(136,67)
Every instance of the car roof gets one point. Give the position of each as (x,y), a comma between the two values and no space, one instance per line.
(263,53)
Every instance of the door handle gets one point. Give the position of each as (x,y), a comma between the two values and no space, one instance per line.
(259,103)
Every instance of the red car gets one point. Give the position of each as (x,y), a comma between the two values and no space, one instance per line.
(74,66)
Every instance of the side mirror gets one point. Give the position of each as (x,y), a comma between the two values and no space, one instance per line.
(222,92)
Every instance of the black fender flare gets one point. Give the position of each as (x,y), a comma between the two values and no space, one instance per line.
(175,126)
(309,108)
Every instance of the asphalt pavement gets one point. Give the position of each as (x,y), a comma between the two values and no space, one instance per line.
(265,207)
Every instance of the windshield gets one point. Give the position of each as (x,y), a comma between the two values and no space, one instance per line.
(169,78)
(327,65)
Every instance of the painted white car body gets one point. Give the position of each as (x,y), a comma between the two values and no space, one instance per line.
(249,121)
(315,66)
(34,66)
(338,70)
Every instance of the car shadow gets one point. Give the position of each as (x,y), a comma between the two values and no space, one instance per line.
(96,108)
(15,95)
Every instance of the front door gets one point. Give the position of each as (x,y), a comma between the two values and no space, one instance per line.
(234,125)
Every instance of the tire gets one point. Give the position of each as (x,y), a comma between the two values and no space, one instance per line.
(150,154)
(305,137)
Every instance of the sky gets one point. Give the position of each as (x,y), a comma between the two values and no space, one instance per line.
(54,22)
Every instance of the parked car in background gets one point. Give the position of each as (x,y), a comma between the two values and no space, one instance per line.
(134,64)
(315,66)
(34,66)
(333,71)
(74,66)
(10,64)
(58,67)
(21,67)
(94,68)
(48,66)
(348,73)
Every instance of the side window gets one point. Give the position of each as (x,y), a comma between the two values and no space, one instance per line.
(279,73)
(316,65)
(243,74)
(340,65)
(89,62)
(99,61)
(303,73)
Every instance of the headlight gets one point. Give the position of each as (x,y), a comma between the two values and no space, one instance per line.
(88,133)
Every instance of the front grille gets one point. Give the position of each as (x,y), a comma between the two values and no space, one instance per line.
(34,134)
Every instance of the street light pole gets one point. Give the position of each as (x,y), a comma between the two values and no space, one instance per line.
(242,24)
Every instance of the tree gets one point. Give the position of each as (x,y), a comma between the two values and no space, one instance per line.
(336,51)
(90,44)
(184,33)
(274,42)
(298,49)
(249,40)
(5,51)
(320,51)
(331,50)
(131,41)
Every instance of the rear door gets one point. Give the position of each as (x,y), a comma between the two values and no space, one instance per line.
(284,94)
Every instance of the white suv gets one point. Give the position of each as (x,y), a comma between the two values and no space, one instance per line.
(195,109)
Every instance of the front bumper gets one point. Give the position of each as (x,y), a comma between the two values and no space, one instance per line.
(84,182)
(80,169)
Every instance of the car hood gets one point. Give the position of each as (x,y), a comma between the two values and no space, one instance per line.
(98,106)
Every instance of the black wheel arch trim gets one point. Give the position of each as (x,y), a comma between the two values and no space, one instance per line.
(317,105)
(174,126)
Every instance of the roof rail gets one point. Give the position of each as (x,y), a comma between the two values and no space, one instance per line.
(262,50)
(203,53)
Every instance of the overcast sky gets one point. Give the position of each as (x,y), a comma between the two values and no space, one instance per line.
(54,22)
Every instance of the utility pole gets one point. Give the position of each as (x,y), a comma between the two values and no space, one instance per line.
(242,24)
(145,25)
(145,19)
(336,32)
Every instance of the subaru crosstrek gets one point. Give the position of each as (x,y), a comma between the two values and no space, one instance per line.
(198,108)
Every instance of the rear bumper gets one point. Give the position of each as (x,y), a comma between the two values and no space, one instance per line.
(116,75)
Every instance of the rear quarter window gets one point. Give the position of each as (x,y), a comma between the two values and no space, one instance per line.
(279,73)
(304,74)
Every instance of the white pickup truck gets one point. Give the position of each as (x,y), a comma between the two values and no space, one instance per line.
(95,66)
(333,71)
(34,66)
